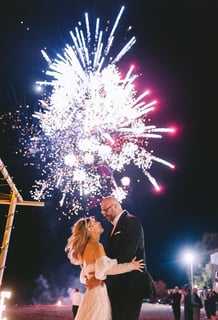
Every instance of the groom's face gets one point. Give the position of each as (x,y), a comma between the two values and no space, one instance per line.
(108,209)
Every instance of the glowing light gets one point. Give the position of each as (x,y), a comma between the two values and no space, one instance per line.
(125,181)
(91,121)
(173,130)
(3,295)
(158,189)
(38,88)
(70,160)
(59,303)
(189,257)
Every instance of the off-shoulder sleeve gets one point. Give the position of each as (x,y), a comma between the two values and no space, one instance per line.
(82,276)
(105,266)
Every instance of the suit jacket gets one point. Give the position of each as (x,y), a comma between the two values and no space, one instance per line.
(127,242)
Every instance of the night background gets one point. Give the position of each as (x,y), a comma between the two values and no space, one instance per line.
(176,54)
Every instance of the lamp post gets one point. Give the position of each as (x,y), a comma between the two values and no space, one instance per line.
(189,259)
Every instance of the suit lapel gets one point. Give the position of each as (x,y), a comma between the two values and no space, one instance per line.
(119,224)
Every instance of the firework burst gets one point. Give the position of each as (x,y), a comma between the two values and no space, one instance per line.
(91,120)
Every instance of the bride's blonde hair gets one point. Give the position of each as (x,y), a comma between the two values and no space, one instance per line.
(76,243)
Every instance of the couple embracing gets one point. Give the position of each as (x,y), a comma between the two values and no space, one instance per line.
(116,280)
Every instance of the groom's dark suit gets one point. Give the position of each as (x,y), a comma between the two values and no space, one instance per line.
(126,291)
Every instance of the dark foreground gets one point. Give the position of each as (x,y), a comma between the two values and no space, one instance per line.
(63,312)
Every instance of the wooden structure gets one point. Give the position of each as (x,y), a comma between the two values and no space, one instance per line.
(12,200)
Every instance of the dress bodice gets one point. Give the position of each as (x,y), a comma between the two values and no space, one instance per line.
(99,268)
(102,267)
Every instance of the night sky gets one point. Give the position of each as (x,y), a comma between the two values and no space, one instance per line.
(176,53)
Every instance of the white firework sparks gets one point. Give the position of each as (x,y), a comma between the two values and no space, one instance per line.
(92,122)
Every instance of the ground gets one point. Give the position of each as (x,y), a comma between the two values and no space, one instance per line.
(63,312)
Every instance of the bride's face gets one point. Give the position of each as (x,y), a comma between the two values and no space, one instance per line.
(95,227)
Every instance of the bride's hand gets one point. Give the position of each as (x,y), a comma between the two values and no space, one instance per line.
(138,264)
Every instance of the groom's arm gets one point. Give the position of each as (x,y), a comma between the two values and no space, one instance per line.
(93,282)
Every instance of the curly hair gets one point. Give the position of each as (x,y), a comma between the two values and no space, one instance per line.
(76,243)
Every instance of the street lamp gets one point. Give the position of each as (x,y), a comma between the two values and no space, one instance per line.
(189,259)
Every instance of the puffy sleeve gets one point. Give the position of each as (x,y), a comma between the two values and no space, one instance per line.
(105,266)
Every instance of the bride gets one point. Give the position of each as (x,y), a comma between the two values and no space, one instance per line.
(83,248)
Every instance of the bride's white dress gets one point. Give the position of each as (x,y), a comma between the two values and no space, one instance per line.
(95,304)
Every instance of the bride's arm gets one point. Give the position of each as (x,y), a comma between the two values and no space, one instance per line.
(105,266)
(120,268)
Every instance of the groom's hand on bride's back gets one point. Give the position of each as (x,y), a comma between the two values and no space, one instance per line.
(92,282)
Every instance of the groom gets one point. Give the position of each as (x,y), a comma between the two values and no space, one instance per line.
(125,241)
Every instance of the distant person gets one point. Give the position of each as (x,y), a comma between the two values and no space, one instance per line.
(204,297)
(175,298)
(83,248)
(188,310)
(76,300)
(212,299)
(196,304)
(125,241)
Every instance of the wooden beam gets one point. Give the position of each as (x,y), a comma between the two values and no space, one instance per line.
(5,196)
(10,181)
(7,234)
(12,200)
(24,203)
